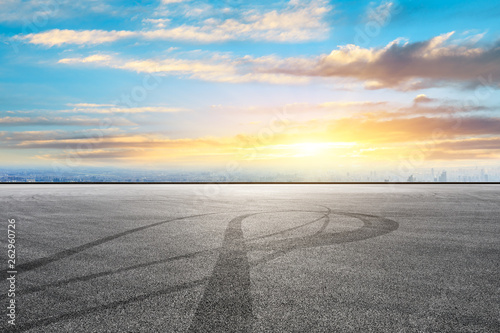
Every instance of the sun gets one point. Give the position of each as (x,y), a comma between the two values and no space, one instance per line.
(310,148)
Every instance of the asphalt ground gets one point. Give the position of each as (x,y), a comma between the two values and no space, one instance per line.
(253,258)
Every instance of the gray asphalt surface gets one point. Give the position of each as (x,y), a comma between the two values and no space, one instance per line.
(254,258)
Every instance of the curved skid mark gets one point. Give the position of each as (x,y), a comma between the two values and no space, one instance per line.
(324,225)
(156,262)
(290,229)
(69,252)
(226,305)
(373,227)
(111,272)
(97,309)
(279,253)
(320,238)
(25,267)
(265,259)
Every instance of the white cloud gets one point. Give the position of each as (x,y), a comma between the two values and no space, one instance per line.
(96,58)
(88,105)
(36,13)
(58,37)
(61,121)
(383,13)
(299,21)
(166,2)
(157,23)
(217,68)
(104,108)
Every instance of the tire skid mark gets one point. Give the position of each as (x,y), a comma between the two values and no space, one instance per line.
(373,226)
(31,265)
(100,308)
(151,263)
(111,272)
(269,257)
(281,232)
(226,305)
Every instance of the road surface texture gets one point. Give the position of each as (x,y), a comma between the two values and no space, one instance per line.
(254,258)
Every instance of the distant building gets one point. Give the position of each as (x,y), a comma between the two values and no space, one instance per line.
(411,179)
(442,177)
(484,175)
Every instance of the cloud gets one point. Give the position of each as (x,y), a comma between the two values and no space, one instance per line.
(368,109)
(158,23)
(352,104)
(405,66)
(440,155)
(492,143)
(105,108)
(167,2)
(299,21)
(422,98)
(88,105)
(57,37)
(359,136)
(36,13)
(381,13)
(412,129)
(437,138)
(128,141)
(37,136)
(62,121)
(215,68)
(94,155)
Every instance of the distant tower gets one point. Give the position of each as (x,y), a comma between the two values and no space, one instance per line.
(483,175)
(442,177)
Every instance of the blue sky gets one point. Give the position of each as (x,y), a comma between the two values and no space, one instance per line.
(193,82)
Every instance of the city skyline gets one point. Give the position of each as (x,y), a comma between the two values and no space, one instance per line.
(120,175)
(260,87)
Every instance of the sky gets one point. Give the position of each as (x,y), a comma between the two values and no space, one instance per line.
(289,85)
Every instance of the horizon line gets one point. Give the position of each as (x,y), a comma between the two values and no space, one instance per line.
(251,183)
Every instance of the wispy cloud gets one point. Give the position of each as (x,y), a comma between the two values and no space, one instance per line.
(57,37)
(380,13)
(60,121)
(17,137)
(105,108)
(216,68)
(299,21)
(89,105)
(166,2)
